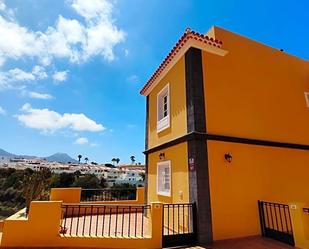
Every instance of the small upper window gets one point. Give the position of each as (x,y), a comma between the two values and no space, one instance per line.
(163,102)
(307,98)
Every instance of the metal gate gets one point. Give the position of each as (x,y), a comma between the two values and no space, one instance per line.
(276,222)
(179,224)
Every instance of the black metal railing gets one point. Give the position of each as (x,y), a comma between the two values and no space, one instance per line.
(89,195)
(179,224)
(275,220)
(105,220)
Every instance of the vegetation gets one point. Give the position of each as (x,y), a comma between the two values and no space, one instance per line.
(19,187)
(132,159)
(142,175)
(115,160)
(36,185)
(124,190)
(79,158)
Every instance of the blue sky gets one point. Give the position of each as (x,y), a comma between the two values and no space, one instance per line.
(71,71)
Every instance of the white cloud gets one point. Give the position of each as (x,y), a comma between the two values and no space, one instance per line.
(36,95)
(39,72)
(133,79)
(50,121)
(92,9)
(16,78)
(16,41)
(95,34)
(81,141)
(72,30)
(2,5)
(60,76)
(2,111)
(131,126)
(126,52)
(17,74)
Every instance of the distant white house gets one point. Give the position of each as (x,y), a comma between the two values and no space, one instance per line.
(130,174)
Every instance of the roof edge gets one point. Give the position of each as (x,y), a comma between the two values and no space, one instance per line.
(188,36)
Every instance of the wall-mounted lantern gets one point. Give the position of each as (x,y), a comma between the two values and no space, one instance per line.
(228,157)
(162,156)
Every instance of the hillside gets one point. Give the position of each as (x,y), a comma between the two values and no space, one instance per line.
(57,157)
(60,157)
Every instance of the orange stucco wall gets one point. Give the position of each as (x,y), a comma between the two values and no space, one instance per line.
(178,119)
(255,91)
(41,229)
(255,173)
(67,195)
(179,178)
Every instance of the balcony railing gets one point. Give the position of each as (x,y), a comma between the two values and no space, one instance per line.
(276,222)
(91,195)
(98,220)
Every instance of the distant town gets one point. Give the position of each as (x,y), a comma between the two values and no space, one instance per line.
(59,163)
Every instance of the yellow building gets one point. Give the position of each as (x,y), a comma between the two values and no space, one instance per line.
(227,156)
(227,125)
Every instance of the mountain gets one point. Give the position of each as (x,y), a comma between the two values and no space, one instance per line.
(60,157)
(4,153)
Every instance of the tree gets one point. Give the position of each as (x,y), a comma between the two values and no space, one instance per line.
(103,183)
(132,159)
(55,181)
(87,181)
(86,160)
(36,184)
(142,175)
(79,158)
(66,180)
(117,160)
(77,173)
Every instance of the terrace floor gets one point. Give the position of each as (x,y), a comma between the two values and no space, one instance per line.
(111,225)
(108,225)
(137,225)
(246,243)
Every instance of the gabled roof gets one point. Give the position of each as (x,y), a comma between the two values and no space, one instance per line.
(187,40)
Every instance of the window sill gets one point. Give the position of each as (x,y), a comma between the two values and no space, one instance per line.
(163,124)
(167,194)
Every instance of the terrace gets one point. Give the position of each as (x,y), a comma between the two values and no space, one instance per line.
(119,219)
(97,218)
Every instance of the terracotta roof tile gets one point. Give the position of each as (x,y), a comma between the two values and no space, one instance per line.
(188,34)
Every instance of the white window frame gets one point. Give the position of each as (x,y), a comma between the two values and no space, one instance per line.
(307,98)
(160,165)
(164,122)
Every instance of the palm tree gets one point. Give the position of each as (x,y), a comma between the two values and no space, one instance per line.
(114,160)
(132,159)
(117,160)
(79,158)
(86,160)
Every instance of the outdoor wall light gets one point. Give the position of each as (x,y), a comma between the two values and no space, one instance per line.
(228,157)
(162,155)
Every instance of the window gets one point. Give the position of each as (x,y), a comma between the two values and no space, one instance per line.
(164,178)
(163,108)
(307,98)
